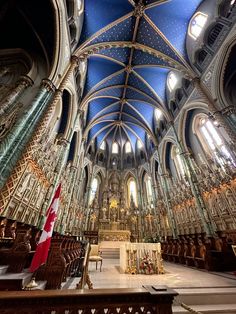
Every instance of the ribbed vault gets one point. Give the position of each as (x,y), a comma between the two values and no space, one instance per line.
(131,47)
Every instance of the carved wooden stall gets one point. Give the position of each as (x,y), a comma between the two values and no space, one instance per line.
(210,253)
(65,256)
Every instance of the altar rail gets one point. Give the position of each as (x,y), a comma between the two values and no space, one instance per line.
(140,300)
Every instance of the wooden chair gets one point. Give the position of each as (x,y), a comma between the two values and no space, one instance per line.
(94,255)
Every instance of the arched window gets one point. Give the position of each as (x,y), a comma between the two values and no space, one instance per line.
(80,5)
(139,144)
(179,165)
(196,25)
(148,183)
(82,71)
(101,157)
(82,68)
(115,148)
(94,187)
(114,162)
(132,191)
(103,145)
(158,114)
(210,138)
(128,147)
(171,81)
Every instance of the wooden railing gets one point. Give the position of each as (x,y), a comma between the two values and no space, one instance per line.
(113,301)
(85,279)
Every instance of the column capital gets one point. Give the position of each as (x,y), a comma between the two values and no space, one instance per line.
(63,141)
(227,111)
(77,59)
(48,84)
(59,91)
(25,80)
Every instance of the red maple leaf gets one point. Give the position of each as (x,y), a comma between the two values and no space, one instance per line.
(50,219)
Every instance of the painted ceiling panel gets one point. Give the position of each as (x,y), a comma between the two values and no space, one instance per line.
(136,94)
(97,105)
(98,14)
(141,58)
(113,108)
(131,137)
(122,31)
(98,69)
(112,116)
(103,135)
(111,138)
(115,80)
(137,83)
(120,54)
(145,110)
(123,137)
(96,128)
(172,19)
(138,130)
(131,115)
(111,92)
(156,78)
(131,121)
(149,37)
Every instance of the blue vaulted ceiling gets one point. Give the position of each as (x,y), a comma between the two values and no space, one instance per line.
(133,46)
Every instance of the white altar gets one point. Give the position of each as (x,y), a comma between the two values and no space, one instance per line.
(141,258)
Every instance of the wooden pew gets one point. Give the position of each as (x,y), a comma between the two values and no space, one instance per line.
(18,254)
(65,259)
(11,284)
(200,254)
(190,253)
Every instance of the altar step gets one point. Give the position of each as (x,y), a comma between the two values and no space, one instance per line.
(17,281)
(206,300)
(111,253)
(3,269)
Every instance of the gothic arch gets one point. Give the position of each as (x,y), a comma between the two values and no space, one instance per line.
(165,151)
(183,118)
(225,78)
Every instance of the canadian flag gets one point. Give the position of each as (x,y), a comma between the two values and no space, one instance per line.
(42,249)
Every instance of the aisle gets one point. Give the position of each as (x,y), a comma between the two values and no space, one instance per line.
(175,276)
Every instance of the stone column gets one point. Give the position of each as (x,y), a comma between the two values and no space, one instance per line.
(63,142)
(87,195)
(155,190)
(141,207)
(15,141)
(202,210)
(14,94)
(21,133)
(164,185)
(74,177)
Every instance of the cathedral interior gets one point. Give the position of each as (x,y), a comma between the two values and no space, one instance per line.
(130,105)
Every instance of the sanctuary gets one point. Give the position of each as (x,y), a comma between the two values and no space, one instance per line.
(129,107)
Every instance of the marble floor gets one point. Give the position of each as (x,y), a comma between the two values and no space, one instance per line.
(176,276)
